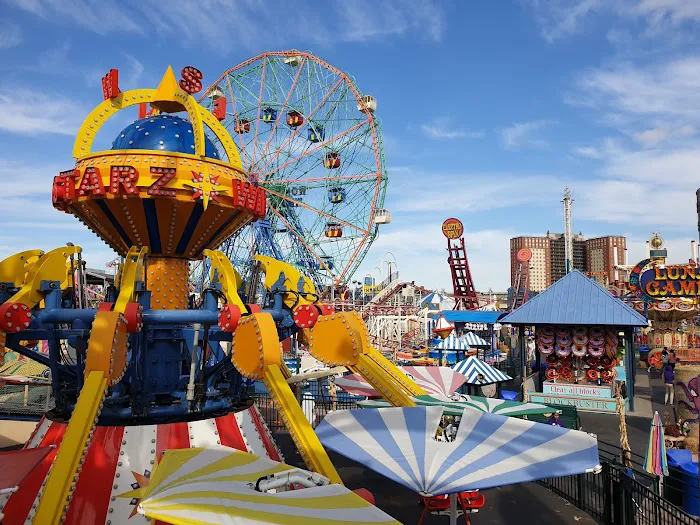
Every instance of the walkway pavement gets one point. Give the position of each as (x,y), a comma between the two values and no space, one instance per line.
(650,398)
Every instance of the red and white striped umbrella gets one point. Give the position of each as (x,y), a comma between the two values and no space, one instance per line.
(433,379)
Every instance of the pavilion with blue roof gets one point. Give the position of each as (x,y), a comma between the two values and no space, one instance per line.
(576,300)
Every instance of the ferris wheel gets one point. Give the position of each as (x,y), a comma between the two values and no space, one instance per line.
(308,136)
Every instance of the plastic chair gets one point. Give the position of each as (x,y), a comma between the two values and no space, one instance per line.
(469,501)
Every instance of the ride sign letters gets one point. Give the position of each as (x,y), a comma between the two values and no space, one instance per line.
(678,280)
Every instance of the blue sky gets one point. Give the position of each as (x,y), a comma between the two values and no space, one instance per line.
(489,109)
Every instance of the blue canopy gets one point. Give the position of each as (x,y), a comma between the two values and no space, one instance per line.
(489,450)
(575,300)
(472,316)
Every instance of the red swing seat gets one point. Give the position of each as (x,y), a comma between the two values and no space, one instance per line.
(468,501)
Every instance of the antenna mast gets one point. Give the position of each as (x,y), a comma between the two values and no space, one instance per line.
(568,234)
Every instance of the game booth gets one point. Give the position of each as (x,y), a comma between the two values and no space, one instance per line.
(582,333)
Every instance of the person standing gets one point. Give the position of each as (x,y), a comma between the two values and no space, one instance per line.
(669,379)
(554,420)
(672,358)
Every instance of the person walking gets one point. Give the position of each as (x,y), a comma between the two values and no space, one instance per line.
(669,378)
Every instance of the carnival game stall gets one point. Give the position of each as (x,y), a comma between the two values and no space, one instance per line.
(582,332)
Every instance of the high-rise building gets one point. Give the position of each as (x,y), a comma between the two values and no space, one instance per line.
(594,257)
(558,254)
(539,265)
(603,254)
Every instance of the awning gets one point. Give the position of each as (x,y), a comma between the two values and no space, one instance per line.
(479,373)
(472,316)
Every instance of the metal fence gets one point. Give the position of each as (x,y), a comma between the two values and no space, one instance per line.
(25,400)
(314,404)
(619,496)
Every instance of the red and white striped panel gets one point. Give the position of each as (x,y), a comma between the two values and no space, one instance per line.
(435,379)
(120,461)
(439,380)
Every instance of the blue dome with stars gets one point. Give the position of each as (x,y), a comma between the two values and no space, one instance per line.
(164,133)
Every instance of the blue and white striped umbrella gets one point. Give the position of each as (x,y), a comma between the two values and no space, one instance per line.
(474,340)
(452,342)
(489,450)
(479,373)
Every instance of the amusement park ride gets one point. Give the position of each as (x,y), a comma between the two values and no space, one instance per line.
(151,369)
(465,295)
(311,142)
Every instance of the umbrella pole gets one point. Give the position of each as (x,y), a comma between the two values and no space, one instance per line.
(453,508)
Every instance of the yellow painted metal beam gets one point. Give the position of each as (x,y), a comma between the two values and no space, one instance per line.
(61,480)
(229,278)
(14,268)
(131,273)
(310,448)
(274,268)
(408,384)
(382,382)
(49,267)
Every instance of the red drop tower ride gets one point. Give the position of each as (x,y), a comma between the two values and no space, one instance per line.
(465,295)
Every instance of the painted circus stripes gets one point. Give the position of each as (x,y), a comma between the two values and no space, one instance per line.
(454,407)
(439,380)
(120,461)
(213,486)
(489,451)
(479,373)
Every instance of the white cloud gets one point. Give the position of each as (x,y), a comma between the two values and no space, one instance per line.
(469,192)
(523,135)
(210,23)
(670,88)
(587,152)
(653,137)
(563,18)
(10,35)
(444,128)
(133,73)
(28,112)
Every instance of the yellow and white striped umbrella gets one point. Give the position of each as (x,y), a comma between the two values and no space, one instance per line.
(217,486)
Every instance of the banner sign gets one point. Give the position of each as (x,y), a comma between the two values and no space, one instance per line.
(585,404)
(573,390)
(657,282)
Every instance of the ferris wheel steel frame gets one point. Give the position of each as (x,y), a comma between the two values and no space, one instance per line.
(260,158)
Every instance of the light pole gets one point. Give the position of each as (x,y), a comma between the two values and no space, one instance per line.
(380,274)
(389,263)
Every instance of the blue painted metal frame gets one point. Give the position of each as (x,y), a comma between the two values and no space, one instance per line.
(154,385)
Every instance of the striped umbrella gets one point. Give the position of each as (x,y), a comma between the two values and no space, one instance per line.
(482,404)
(217,486)
(474,340)
(489,451)
(452,342)
(479,373)
(655,460)
(439,380)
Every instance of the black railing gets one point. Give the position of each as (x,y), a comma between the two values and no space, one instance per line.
(314,404)
(619,496)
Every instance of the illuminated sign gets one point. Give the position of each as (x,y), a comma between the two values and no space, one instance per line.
(452,228)
(658,282)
